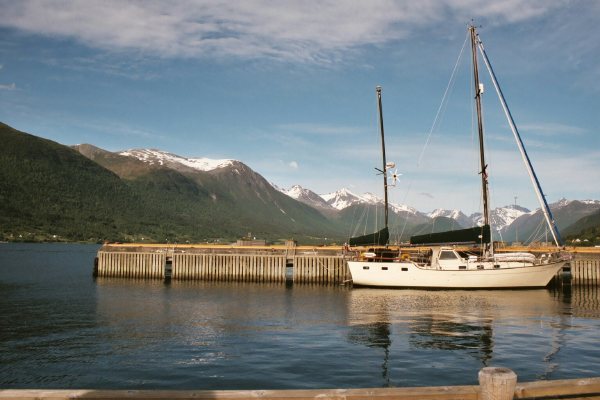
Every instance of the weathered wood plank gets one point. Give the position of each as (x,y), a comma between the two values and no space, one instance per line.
(588,388)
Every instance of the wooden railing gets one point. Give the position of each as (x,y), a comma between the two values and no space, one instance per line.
(494,383)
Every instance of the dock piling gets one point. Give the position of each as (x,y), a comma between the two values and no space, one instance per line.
(497,383)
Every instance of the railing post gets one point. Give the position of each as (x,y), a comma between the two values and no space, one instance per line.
(497,383)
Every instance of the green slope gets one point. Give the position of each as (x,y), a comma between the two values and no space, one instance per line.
(233,200)
(586,229)
(53,192)
(47,189)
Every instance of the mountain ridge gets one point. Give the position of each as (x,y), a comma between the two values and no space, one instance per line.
(83,192)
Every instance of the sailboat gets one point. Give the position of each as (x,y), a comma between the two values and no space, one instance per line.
(443,265)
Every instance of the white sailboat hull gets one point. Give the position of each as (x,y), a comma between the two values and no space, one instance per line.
(408,274)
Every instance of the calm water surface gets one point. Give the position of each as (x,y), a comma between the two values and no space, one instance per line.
(60,328)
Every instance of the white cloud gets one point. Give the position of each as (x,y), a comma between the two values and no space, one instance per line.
(308,31)
(10,86)
(293,164)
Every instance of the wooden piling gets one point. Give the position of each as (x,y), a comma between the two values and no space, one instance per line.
(585,269)
(497,383)
(131,265)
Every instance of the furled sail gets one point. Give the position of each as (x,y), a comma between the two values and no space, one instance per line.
(478,234)
(373,239)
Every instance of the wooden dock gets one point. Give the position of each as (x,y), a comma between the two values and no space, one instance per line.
(585,268)
(300,264)
(324,265)
(494,383)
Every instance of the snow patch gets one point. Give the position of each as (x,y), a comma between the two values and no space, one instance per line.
(152,156)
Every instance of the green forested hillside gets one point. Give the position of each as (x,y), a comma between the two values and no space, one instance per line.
(47,189)
(52,192)
(586,230)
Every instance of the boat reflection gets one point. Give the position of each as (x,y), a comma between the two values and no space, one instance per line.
(473,335)
(462,321)
(376,334)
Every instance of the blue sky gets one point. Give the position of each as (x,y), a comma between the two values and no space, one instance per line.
(289,89)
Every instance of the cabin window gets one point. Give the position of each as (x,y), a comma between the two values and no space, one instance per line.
(480,267)
(447,255)
(365,267)
(404,269)
(384,268)
(496,266)
(462,267)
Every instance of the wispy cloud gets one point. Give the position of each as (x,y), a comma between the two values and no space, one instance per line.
(552,129)
(11,86)
(310,31)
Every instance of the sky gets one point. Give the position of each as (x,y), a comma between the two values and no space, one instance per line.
(288,88)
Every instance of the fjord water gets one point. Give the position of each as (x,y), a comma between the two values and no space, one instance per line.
(60,328)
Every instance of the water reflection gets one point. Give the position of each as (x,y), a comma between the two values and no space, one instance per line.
(474,335)
(464,322)
(374,335)
(583,299)
(203,329)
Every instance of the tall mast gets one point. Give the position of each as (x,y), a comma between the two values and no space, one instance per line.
(384,169)
(483,172)
(534,179)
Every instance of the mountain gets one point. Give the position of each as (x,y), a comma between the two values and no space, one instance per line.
(228,193)
(343,198)
(456,215)
(50,191)
(307,197)
(585,230)
(511,223)
(532,226)
(437,224)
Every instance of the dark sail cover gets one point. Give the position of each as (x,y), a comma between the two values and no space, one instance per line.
(374,239)
(478,234)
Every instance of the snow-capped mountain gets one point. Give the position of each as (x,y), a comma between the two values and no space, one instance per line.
(343,198)
(306,196)
(456,215)
(158,157)
(501,217)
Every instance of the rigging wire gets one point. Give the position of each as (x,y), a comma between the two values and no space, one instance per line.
(440,111)
(444,102)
